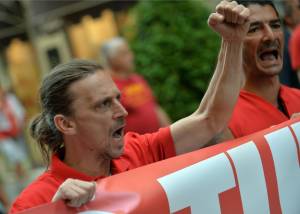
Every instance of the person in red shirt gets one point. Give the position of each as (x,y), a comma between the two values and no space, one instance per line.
(82,122)
(137,97)
(263,101)
(294,47)
(294,42)
(12,151)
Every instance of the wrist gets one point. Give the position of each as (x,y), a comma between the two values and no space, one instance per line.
(234,42)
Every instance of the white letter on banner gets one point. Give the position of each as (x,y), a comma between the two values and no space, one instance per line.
(251,178)
(198,185)
(286,162)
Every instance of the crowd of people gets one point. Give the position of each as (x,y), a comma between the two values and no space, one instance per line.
(13,152)
(97,121)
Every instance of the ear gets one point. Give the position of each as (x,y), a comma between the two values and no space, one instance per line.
(64,124)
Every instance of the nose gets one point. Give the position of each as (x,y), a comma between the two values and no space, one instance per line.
(119,110)
(268,33)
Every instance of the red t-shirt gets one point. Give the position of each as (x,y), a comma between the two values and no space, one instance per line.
(294,48)
(138,100)
(252,113)
(139,150)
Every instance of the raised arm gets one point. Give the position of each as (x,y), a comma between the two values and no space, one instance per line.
(214,111)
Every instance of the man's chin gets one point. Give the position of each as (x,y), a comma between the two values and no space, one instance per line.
(271,70)
(118,153)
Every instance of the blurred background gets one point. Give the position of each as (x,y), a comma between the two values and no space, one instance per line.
(174,50)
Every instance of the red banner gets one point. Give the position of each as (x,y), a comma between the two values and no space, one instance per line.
(256,174)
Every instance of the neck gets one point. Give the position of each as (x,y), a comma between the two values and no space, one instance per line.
(87,162)
(266,88)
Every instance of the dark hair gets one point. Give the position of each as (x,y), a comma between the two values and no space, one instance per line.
(55,98)
(260,2)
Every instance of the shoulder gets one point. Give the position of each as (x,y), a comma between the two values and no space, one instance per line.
(163,134)
(245,100)
(158,145)
(288,91)
(138,77)
(245,108)
(38,192)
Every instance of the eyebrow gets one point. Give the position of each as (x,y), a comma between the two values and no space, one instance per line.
(101,100)
(255,23)
(275,21)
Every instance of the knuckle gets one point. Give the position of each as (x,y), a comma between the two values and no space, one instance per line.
(220,9)
(233,3)
(228,7)
(237,9)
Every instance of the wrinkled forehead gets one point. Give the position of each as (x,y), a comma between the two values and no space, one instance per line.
(93,86)
(262,13)
(248,3)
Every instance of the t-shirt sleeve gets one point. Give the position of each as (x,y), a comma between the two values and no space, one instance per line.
(18,206)
(149,148)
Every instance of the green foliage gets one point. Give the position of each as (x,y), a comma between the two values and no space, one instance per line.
(175,51)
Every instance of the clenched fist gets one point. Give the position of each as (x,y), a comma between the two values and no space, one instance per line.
(230,21)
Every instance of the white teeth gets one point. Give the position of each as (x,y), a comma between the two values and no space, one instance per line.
(268,57)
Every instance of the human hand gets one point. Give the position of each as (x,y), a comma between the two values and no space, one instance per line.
(75,192)
(230,21)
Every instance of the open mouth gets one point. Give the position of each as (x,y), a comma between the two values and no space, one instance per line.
(269,55)
(118,133)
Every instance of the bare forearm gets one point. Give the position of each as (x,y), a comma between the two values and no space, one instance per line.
(212,116)
(215,109)
(223,90)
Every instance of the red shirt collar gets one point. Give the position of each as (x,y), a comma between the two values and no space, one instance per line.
(63,171)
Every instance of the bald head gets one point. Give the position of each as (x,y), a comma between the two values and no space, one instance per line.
(110,48)
(117,56)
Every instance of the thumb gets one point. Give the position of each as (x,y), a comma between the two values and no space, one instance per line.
(59,195)
(215,19)
(56,197)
